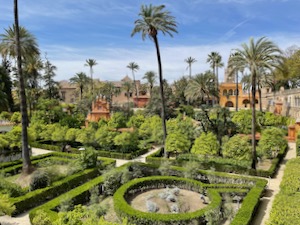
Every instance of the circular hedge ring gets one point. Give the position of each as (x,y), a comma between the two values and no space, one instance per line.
(124,209)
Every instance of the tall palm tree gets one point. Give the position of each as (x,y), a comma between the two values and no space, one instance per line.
(27,166)
(90,63)
(201,87)
(262,54)
(80,79)
(150,78)
(190,61)
(134,67)
(215,60)
(154,19)
(28,44)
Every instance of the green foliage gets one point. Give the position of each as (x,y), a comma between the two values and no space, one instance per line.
(104,137)
(3,142)
(39,179)
(59,133)
(177,143)
(41,218)
(243,120)
(188,110)
(182,125)
(5,115)
(136,120)
(286,206)
(6,206)
(151,130)
(9,188)
(192,169)
(112,181)
(71,134)
(118,120)
(47,132)
(88,158)
(270,119)
(86,136)
(206,144)
(271,142)
(126,141)
(72,121)
(237,147)
(14,137)
(16,117)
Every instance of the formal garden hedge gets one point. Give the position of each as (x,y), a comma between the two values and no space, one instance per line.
(101,153)
(220,164)
(298,144)
(286,206)
(215,183)
(24,199)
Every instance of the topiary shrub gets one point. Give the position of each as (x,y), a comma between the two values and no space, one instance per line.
(39,179)
(88,158)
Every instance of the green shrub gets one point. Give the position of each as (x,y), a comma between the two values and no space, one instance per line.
(206,144)
(6,207)
(88,158)
(41,218)
(238,148)
(39,179)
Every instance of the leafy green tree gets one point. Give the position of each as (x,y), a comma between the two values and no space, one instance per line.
(46,134)
(71,134)
(206,144)
(105,137)
(51,86)
(177,143)
(90,63)
(16,117)
(155,19)
(272,140)
(86,136)
(81,80)
(179,91)
(6,99)
(243,120)
(262,54)
(190,60)
(182,125)
(126,141)
(118,120)
(150,130)
(136,120)
(59,134)
(237,147)
(3,142)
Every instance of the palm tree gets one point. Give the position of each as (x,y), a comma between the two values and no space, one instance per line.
(28,44)
(155,19)
(127,87)
(150,78)
(108,90)
(201,87)
(262,54)
(90,63)
(134,67)
(190,61)
(80,79)
(27,166)
(215,60)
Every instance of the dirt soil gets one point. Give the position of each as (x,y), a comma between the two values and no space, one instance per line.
(188,201)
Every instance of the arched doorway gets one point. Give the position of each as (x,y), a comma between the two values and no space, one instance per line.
(229,104)
(246,102)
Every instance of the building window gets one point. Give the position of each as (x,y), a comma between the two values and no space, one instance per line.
(63,95)
(230,92)
(225,92)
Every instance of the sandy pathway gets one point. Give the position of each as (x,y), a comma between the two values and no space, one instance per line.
(264,209)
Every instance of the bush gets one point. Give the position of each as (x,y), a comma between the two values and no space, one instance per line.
(39,179)
(6,207)
(238,148)
(88,158)
(42,218)
(206,144)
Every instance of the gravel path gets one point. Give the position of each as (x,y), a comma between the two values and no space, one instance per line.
(264,209)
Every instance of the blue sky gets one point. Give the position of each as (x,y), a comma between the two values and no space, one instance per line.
(71,31)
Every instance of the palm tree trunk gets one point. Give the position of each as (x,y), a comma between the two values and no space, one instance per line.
(254,159)
(27,166)
(91,73)
(237,92)
(161,87)
(259,95)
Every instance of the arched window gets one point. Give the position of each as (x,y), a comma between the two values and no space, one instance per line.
(230,92)
(246,102)
(229,104)
(224,92)
(256,101)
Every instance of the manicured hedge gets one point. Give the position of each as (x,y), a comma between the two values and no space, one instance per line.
(123,209)
(286,205)
(221,164)
(37,197)
(298,144)
(101,153)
